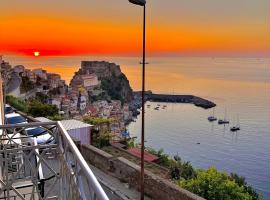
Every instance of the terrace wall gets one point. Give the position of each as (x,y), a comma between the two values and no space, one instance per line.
(126,171)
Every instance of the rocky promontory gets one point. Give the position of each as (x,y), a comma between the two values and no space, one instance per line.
(113,82)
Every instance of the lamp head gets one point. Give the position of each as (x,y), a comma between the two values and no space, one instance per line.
(138,2)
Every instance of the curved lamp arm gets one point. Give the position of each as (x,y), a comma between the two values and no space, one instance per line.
(138,2)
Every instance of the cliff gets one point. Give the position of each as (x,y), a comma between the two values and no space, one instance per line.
(113,81)
(101,68)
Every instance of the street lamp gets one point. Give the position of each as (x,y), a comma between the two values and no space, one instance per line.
(142,3)
(138,2)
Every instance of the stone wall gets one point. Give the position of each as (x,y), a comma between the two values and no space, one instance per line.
(101,68)
(126,171)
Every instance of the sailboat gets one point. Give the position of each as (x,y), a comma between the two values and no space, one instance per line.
(237,126)
(224,121)
(212,118)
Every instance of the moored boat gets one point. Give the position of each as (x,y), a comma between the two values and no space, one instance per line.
(237,126)
(212,118)
(225,120)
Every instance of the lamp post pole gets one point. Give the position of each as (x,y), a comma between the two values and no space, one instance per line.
(142,3)
(143,107)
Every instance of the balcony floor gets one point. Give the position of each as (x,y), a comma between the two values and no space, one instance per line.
(115,189)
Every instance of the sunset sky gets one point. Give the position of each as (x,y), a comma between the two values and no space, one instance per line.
(113,27)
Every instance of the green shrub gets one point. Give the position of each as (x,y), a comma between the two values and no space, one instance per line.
(16,103)
(56,117)
(164,159)
(41,97)
(102,140)
(39,109)
(210,184)
(241,181)
(129,142)
(213,185)
(97,120)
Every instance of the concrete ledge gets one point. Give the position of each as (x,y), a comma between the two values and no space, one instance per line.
(129,172)
(97,157)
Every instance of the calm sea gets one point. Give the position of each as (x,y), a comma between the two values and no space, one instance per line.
(239,85)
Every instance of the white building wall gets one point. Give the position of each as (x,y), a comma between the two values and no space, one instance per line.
(82,134)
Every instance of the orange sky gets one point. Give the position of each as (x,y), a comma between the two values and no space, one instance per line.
(115,29)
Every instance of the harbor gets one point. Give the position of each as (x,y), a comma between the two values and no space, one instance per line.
(197,101)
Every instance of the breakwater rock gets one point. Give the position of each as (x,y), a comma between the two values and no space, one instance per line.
(197,101)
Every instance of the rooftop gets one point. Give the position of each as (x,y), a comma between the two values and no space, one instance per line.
(147,156)
(67,124)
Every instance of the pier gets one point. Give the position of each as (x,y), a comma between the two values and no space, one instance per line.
(197,101)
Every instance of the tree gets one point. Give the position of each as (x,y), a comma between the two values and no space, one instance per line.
(241,181)
(38,109)
(41,97)
(212,185)
(164,159)
(101,141)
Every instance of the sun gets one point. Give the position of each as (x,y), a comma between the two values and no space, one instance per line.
(36,53)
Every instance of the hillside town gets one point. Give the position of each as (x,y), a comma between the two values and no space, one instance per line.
(87,95)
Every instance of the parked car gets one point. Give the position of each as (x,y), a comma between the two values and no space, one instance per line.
(8,109)
(15,118)
(41,134)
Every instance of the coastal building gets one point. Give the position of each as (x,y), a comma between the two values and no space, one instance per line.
(5,66)
(65,104)
(82,103)
(127,114)
(73,103)
(75,83)
(105,111)
(92,111)
(54,80)
(75,128)
(79,130)
(31,75)
(55,101)
(89,81)
(19,69)
(101,103)
(41,73)
(6,70)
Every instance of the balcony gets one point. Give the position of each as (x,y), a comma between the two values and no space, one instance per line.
(48,169)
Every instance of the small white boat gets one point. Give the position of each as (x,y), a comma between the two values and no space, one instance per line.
(212,118)
(237,126)
(224,121)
